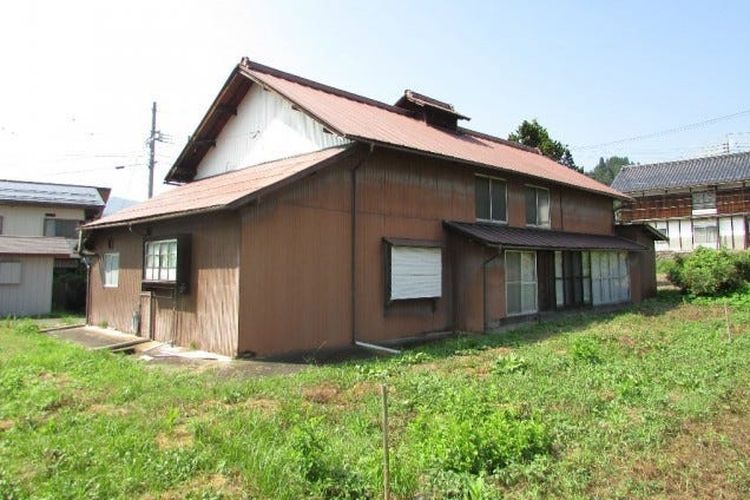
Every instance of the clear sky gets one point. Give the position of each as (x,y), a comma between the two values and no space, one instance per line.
(78,77)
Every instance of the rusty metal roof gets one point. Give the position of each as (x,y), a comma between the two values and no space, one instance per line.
(516,237)
(221,191)
(54,246)
(367,120)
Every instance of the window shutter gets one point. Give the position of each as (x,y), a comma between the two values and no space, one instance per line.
(416,272)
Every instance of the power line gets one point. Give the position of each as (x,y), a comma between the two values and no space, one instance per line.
(660,133)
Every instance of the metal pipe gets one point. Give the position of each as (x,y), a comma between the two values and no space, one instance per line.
(376,347)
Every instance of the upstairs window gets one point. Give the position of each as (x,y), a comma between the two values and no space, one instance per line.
(67,228)
(704,202)
(491,199)
(111,270)
(537,206)
(1,224)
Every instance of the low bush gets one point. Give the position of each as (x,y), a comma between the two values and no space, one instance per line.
(708,272)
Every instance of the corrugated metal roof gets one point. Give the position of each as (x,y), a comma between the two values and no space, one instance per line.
(37,245)
(363,119)
(514,237)
(220,191)
(711,170)
(53,194)
(359,119)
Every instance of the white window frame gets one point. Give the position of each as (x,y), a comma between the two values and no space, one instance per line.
(110,272)
(428,278)
(536,189)
(524,310)
(489,187)
(160,260)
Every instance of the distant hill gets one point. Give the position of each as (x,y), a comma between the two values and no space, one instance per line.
(115,204)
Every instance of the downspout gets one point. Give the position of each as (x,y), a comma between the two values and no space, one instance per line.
(484,287)
(354,243)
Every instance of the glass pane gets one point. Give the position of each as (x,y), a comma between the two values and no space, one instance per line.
(172,275)
(595,269)
(528,298)
(513,299)
(530,194)
(512,266)
(482,197)
(586,290)
(543,206)
(585,256)
(559,298)
(614,265)
(528,270)
(558,265)
(498,200)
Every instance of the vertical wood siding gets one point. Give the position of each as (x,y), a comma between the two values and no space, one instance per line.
(33,295)
(207,316)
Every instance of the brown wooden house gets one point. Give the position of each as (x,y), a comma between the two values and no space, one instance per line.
(698,202)
(311,218)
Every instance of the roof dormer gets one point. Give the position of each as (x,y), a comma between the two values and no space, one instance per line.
(431,111)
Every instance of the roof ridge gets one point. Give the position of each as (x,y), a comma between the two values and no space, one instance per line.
(500,140)
(54,184)
(687,160)
(255,66)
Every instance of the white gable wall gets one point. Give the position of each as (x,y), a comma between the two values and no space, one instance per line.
(266,128)
(28,220)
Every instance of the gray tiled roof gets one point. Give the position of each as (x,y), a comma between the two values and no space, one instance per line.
(711,170)
(55,194)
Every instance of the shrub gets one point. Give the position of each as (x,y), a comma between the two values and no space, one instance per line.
(709,272)
(480,443)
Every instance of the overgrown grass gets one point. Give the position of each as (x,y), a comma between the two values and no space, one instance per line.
(569,408)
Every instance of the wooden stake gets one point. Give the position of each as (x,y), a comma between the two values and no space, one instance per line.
(726,318)
(386,466)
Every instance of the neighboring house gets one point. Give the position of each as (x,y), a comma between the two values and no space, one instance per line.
(38,236)
(313,218)
(700,202)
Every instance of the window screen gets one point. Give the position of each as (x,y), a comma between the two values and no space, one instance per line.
(415,272)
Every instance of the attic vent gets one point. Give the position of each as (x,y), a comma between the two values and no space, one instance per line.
(433,112)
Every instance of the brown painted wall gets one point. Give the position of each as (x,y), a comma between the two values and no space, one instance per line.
(296,283)
(207,316)
(276,276)
(728,201)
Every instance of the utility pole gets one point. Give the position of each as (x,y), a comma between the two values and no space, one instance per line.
(155,136)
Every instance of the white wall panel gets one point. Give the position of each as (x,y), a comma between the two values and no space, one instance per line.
(28,220)
(265,128)
(686,235)
(34,293)
(674,235)
(740,228)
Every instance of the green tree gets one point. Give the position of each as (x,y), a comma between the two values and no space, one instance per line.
(532,134)
(606,170)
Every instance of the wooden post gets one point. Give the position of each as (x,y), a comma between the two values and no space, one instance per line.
(726,319)
(386,466)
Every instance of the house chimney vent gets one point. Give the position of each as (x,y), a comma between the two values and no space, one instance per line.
(432,111)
